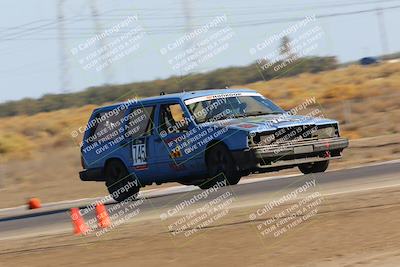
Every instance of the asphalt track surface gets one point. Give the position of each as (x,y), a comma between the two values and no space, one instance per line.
(255,192)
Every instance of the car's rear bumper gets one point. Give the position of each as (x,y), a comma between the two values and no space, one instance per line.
(95,174)
(290,153)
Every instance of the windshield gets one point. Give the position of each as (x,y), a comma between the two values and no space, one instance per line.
(232,107)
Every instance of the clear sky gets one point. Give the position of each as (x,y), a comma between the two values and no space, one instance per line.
(36,57)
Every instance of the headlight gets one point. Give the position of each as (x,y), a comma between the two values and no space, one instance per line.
(326,132)
(267,139)
(261,139)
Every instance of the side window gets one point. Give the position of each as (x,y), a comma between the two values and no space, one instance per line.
(140,122)
(172,119)
(107,124)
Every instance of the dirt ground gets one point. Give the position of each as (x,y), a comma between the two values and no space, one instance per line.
(58,179)
(358,229)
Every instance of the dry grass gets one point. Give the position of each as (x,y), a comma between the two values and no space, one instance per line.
(22,135)
(351,83)
(40,157)
(366,100)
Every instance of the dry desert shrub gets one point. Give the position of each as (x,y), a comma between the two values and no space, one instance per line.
(365,100)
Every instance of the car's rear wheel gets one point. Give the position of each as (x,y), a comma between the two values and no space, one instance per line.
(120,184)
(314,167)
(221,167)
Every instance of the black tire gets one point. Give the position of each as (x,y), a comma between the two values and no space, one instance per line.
(314,167)
(117,178)
(221,167)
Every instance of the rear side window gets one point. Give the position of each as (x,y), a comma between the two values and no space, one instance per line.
(172,119)
(140,122)
(107,124)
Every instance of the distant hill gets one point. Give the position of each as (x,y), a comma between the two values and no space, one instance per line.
(219,78)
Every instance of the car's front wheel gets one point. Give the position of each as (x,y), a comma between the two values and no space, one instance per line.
(318,166)
(120,183)
(221,167)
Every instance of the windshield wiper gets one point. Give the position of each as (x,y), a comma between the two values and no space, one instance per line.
(228,116)
(259,113)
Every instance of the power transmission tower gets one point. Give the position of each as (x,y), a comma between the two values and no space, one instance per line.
(107,72)
(62,47)
(187,10)
(382,31)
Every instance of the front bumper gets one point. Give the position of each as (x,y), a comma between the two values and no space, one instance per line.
(290,153)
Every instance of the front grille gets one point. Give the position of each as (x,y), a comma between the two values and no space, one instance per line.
(294,133)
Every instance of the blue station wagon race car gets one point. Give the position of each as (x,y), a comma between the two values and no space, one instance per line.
(201,138)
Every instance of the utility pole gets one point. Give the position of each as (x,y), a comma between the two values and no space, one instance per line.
(187,9)
(382,31)
(62,47)
(107,72)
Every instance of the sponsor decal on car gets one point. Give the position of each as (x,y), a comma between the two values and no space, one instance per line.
(175,153)
(218,96)
(247,125)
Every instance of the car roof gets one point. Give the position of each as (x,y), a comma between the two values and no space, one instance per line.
(183,96)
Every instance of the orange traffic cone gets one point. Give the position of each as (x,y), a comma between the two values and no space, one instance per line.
(102,216)
(78,222)
(34,203)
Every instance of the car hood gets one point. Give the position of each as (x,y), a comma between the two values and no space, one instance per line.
(270,122)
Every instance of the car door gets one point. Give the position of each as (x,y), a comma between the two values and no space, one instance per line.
(172,127)
(136,147)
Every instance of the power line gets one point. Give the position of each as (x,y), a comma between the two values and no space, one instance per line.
(181,28)
(260,10)
(105,17)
